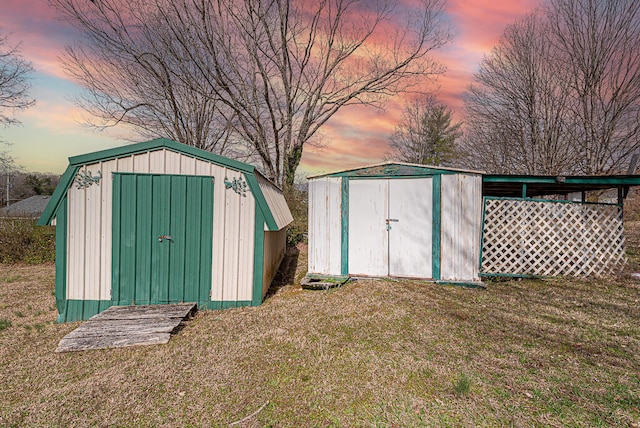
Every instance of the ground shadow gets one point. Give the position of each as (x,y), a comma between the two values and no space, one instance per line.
(286,274)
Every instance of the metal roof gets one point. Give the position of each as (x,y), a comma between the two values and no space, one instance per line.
(395,169)
(539,185)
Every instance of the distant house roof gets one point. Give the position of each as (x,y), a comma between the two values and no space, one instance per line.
(31,207)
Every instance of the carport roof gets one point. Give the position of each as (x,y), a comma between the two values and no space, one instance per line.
(539,185)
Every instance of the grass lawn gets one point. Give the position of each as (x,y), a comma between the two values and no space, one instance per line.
(561,352)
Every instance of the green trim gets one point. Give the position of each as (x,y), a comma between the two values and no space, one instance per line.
(512,275)
(436,214)
(258,258)
(158,143)
(58,195)
(261,202)
(344,221)
(81,310)
(61,258)
(524,190)
(509,198)
(631,180)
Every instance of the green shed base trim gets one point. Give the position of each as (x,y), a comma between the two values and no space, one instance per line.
(511,275)
(80,310)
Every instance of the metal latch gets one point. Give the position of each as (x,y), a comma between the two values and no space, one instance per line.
(167,237)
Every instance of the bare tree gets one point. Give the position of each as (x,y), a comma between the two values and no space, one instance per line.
(278,70)
(425,135)
(599,45)
(14,82)
(560,93)
(517,109)
(128,64)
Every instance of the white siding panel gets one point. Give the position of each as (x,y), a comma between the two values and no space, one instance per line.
(124,164)
(187,165)
(141,163)
(76,239)
(92,232)
(172,162)
(204,168)
(157,161)
(230,251)
(460,227)
(246,247)
(219,229)
(106,188)
(325,225)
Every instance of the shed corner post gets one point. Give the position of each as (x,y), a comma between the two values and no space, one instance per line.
(344,222)
(258,257)
(437,226)
(61,260)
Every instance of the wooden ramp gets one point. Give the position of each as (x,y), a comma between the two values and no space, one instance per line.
(121,326)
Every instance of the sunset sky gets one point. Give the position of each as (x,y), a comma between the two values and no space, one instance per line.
(51,131)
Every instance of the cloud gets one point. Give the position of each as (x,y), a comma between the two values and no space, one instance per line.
(42,35)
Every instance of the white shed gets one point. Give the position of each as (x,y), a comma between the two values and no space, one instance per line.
(396,220)
(161,222)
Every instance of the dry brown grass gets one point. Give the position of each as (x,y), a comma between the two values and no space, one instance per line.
(371,353)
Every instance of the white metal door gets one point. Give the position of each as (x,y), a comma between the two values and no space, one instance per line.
(410,229)
(390,227)
(368,240)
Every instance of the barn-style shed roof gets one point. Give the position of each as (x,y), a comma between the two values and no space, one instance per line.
(268,196)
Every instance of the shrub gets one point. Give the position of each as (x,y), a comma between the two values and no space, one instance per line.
(22,241)
(299,205)
(462,385)
(4,324)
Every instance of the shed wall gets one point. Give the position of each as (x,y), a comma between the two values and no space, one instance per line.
(90,224)
(325,227)
(461,223)
(275,245)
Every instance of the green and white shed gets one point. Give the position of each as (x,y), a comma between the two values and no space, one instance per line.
(396,220)
(161,222)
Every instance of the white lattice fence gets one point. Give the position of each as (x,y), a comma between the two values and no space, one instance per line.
(546,238)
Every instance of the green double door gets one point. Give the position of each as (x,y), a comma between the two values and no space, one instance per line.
(162,238)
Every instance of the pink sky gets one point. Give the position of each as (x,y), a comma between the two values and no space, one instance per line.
(51,131)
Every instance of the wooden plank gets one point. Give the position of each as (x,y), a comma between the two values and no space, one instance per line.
(147,311)
(121,326)
(90,343)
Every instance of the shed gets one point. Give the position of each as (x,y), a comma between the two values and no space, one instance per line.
(396,220)
(160,222)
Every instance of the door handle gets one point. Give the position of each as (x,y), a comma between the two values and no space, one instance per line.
(161,237)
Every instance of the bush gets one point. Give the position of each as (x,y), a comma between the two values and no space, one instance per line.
(22,241)
(299,205)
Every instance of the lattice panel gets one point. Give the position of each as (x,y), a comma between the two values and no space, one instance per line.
(546,238)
